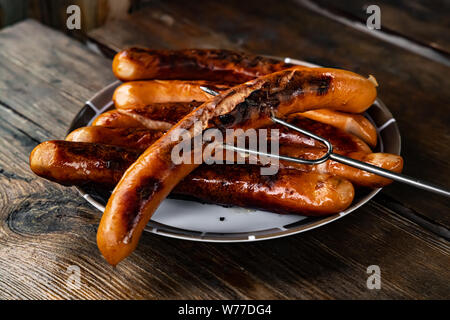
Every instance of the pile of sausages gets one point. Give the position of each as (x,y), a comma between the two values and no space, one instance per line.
(128,149)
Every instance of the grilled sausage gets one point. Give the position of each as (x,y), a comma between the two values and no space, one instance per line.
(192,64)
(292,145)
(75,163)
(137,94)
(391,162)
(341,141)
(152,177)
(141,93)
(355,124)
(115,119)
(160,116)
(289,191)
(137,138)
(133,138)
(97,162)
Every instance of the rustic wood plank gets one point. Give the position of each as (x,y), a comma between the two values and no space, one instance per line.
(154,28)
(45,228)
(413,87)
(425,22)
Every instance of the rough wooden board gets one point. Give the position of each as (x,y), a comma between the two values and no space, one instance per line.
(45,228)
(154,28)
(413,87)
(426,22)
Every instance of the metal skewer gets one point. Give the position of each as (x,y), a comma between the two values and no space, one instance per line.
(339,158)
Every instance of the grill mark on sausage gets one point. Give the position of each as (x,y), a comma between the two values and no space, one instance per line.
(201,63)
(262,101)
(338,138)
(167,112)
(144,191)
(323,85)
(96,152)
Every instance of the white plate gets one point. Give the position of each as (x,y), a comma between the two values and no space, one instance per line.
(206,222)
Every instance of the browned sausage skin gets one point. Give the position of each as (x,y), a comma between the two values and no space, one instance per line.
(87,159)
(132,138)
(142,93)
(160,116)
(115,119)
(163,116)
(147,94)
(293,144)
(355,124)
(192,64)
(391,162)
(289,191)
(152,177)
(75,163)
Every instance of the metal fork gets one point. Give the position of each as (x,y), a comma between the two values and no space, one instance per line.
(339,158)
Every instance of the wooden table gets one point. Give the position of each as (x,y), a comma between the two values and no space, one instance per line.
(47,229)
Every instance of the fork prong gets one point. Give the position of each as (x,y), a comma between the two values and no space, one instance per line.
(277,156)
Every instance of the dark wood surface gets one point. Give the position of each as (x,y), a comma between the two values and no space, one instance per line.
(44,79)
(425,22)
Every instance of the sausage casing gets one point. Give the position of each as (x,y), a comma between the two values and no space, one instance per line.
(75,163)
(289,191)
(115,119)
(135,95)
(141,93)
(133,138)
(162,116)
(293,144)
(192,64)
(355,124)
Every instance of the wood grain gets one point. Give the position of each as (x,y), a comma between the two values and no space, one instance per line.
(45,228)
(413,87)
(425,22)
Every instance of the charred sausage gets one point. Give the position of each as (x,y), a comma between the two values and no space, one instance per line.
(75,163)
(289,191)
(141,93)
(135,95)
(133,138)
(192,64)
(355,124)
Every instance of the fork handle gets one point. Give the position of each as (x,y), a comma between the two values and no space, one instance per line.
(390,175)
